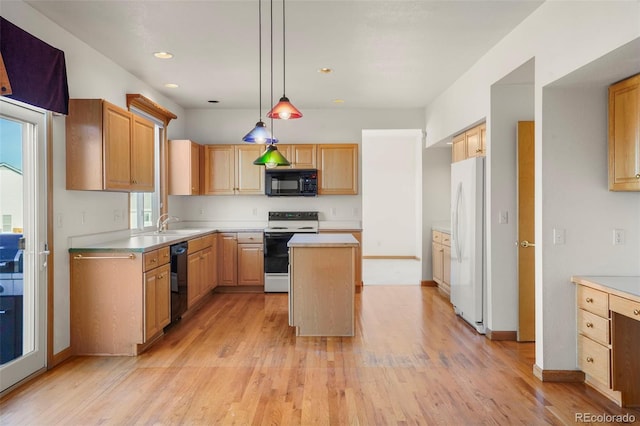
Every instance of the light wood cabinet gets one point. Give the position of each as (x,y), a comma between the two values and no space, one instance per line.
(458,149)
(441,260)
(229,169)
(157,300)
(624,135)
(608,325)
(358,251)
(337,169)
(184,167)
(227,259)
(120,302)
(250,259)
(301,156)
(201,269)
(108,148)
(241,260)
(471,143)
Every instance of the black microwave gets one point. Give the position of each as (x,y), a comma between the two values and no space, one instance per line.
(291,182)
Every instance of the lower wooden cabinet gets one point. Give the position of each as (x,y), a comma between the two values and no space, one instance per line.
(157,300)
(241,259)
(201,268)
(441,260)
(120,301)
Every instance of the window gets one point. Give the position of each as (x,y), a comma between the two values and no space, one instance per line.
(6,223)
(144,207)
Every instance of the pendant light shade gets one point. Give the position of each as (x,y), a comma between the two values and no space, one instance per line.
(284,109)
(271,158)
(260,134)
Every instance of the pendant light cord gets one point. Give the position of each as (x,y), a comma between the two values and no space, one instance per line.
(271,43)
(260,58)
(284,79)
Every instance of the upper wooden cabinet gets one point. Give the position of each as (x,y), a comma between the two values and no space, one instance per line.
(184,167)
(229,169)
(301,156)
(624,135)
(337,169)
(471,143)
(108,148)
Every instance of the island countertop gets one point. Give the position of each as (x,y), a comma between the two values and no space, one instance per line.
(323,240)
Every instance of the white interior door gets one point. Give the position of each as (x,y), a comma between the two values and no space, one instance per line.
(23,246)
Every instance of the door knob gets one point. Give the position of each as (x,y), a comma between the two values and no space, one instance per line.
(526,244)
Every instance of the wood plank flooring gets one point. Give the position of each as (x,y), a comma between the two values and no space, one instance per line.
(236,362)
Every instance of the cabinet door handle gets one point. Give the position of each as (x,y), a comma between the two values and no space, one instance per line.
(589,299)
(154,260)
(589,325)
(638,176)
(161,276)
(636,312)
(589,359)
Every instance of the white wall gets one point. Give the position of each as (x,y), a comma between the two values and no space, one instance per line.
(510,103)
(562,37)
(90,75)
(392,205)
(576,199)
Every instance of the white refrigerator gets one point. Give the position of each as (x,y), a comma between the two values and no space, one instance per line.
(467,241)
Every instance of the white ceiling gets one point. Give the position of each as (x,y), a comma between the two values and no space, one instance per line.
(385,54)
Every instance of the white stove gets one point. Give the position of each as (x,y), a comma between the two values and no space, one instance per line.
(279,230)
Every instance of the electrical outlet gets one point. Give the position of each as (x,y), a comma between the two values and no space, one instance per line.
(618,237)
(255,211)
(201,212)
(333,211)
(59,221)
(83,217)
(116,215)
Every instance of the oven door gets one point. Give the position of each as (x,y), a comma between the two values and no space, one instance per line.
(276,252)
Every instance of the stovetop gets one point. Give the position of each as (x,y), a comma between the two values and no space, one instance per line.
(292,222)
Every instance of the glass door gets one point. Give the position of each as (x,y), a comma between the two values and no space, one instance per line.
(23,246)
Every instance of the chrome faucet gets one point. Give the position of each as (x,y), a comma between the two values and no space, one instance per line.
(161,225)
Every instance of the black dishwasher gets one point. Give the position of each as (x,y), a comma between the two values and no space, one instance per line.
(178,280)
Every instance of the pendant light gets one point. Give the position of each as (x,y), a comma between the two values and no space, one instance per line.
(271,157)
(260,133)
(284,109)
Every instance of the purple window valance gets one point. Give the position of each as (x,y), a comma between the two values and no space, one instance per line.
(37,72)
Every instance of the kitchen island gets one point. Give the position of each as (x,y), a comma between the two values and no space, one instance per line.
(321,289)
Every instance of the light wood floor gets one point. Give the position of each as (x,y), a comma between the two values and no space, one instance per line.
(236,361)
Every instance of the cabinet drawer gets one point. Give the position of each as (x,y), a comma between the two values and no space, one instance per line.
(626,307)
(200,243)
(593,326)
(594,359)
(446,239)
(593,300)
(437,236)
(151,260)
(164,255)
(249,237)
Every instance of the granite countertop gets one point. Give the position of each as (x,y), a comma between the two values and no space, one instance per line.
(628,285)
(150,240)
(322,240)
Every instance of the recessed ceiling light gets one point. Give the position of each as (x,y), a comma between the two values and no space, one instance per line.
(213,102)
(325,70)
(338,101)
(171,85)
(163,55)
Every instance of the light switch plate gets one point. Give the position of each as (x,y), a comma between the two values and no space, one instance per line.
(559,236)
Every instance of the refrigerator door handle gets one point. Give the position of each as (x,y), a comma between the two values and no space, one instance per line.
(456,224)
